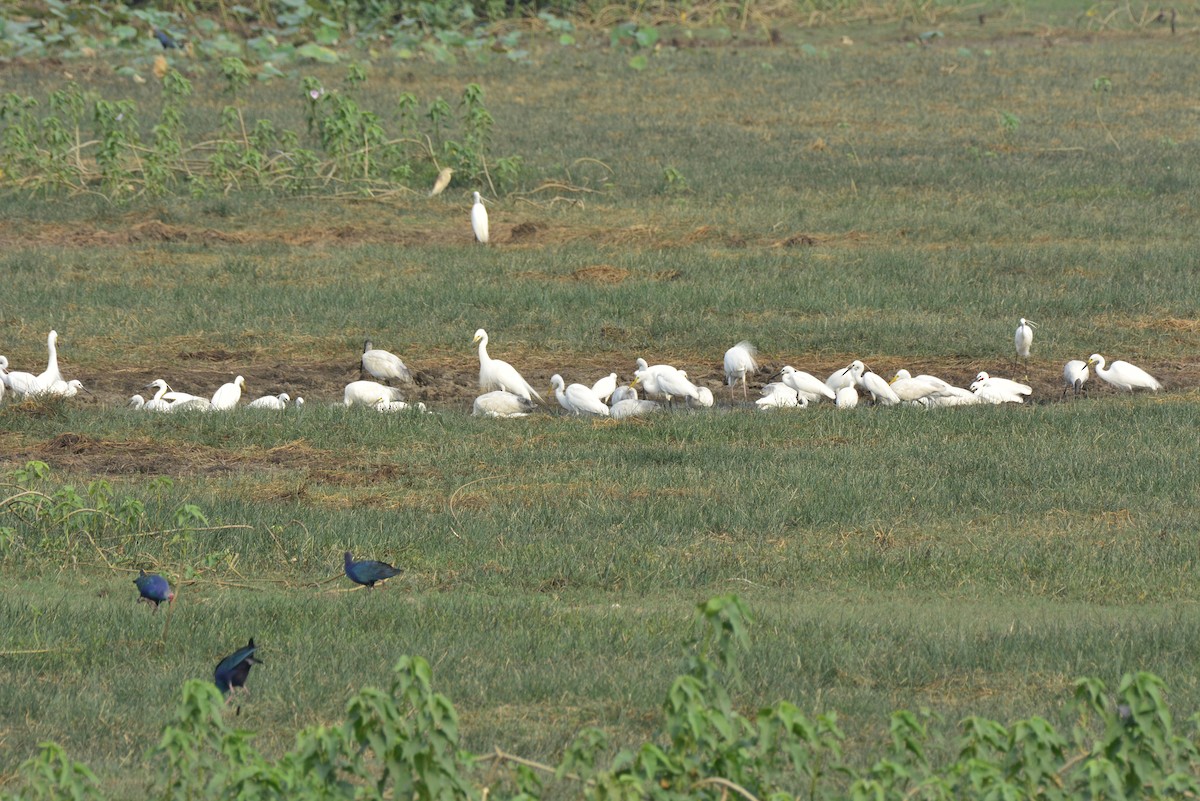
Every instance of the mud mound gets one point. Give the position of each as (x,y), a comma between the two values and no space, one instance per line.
(601,274)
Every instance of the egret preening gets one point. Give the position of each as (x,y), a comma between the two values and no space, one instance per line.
(632,407)
(1023,340)
(778,396)
(1124,375)
(912,389)
(576,398)
(51,373)
(740,360)
(384,365)
(621,393)
(479,220)
(500,403)
(665,380)
(847,397)
(499,374)
(228,395)
(704,397)
(1075,375)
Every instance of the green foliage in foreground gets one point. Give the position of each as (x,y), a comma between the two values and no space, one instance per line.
(404,743)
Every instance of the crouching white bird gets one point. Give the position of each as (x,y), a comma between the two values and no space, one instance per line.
(739,360)
(779,395)
(384,365)
(277,402)
(369,393)
(576,398)
(632,407)
(1124,375)
(999,390)
(479,220)
(228,395)
(847,398)
(1075,375)
(65,389)
(499,374)
(500,403)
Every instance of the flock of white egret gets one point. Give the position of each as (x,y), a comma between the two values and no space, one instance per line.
(508,394)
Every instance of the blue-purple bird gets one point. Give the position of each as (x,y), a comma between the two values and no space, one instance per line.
(232,671)
(153,589)
(165,39)
(368,571)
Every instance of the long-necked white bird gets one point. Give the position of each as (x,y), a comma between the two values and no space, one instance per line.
(369,393)
(155,404)
(912,390)
(999,390)
(65,389)
(1075,375)
(605,387)
(740,360)
(842,377)
(384,365)
(577,398)
(1124,375)
(947,394)
(163,392)
(1023,339)
(276,402)
(499,374)
(672,383)
(880,390)
(228,395)
(479,220)
(51,373)
(807,385)
(499,403)
(23,385)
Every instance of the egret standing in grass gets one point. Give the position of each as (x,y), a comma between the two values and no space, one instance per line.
(479,220)
(1075,375)
(1124,375)
(499,374)
(443,180)
(1024,340)
(740,360)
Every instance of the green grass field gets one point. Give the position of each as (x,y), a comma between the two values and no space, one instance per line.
(881,200)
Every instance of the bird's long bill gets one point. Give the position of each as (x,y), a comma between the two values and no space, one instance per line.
(476,339)
(635,381)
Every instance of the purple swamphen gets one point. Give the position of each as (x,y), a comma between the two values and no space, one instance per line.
(165,39)
(368,571)
(232,671)
(153,589)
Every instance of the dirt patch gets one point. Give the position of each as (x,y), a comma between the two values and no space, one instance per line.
(601,274)
(525,232)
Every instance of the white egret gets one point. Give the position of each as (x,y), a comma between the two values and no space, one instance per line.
(665,380)
(51,373)
(623,392)
(912,389)
(778,396)
(277,402)
(806,385)
(152,405)
(65,389)
(163,392)
(1003,387)
(847,398)
(192,405)
(384,365)
(947,394)
(740,360)
(577,398)
(880,390)
(499,374)
(1024,340)
(479,220)
(1124,375)
(442,181)
(840,378)
(137,402)
(704,397)
(298,402)
(632,407)
(1075,375)
(605,387)
(500,403)
(369,393)
(23,384)
(228,395)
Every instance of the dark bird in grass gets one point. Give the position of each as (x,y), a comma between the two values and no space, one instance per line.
(368,571)
(153,589)
(232,671)
(165,39)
